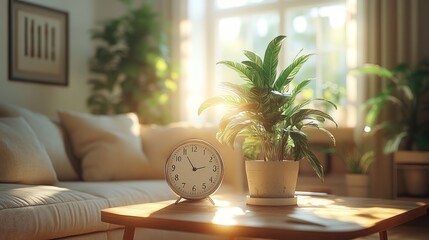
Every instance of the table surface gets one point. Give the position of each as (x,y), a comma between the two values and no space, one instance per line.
(315,217)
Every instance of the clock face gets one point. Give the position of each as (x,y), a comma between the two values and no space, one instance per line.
(194,169)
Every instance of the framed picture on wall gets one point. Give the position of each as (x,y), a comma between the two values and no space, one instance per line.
(38,44)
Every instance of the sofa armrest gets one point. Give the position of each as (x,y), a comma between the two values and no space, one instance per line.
(158,142)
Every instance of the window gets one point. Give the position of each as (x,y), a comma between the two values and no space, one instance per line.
(222,29)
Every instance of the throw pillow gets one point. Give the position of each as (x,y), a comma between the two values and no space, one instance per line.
(23,159)
(50,135)
(109,147)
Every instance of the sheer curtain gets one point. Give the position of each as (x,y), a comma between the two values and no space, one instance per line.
(391,37)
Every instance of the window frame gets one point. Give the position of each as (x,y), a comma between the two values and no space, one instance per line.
(213,15)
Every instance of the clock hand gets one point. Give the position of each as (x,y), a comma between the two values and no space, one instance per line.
(200,168)
(193,168)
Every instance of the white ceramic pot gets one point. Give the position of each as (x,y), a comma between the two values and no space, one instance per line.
(272,183)
(357,185)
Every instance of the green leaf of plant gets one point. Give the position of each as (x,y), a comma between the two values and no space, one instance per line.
(330,135)
(300,86)
(326,101)
(235,112)
(253,57)
(271,59)
(315,163)
(289,73)
(300,143)
(234,126)
(252,147)
(218,101)
(98,103)
(377,103)
(240,69)
(407,93)
(372,69)
(400,68)
(393,143)
(303,114)
(298,90)
(241,91)
(366,161)
(258,77)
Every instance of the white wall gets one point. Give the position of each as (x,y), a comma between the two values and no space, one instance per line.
(48,98)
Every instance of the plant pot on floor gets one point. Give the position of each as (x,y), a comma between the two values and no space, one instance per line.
(357,185)
(272,183)
(414,166)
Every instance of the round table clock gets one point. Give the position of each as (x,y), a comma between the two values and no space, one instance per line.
(194,170)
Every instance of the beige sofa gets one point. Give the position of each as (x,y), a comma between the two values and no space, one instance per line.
(53,184)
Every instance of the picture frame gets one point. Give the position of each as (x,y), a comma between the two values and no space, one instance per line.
(38,44)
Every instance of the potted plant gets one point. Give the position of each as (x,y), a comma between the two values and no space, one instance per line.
(407,132)
(357,159)
(405,92)
(131,69)
(264,112)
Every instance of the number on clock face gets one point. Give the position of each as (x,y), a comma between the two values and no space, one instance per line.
(194,169)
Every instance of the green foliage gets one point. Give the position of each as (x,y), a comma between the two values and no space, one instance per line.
(406,94)
(263,110)
(357,159)
(131,69)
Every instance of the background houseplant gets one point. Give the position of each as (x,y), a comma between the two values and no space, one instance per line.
(264,111)
(406,95)
(131,67)
(357,159)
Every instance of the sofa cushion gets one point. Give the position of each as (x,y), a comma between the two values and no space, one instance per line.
(23,159)
(46,212)
(49,134)
(109,147)
(120,193)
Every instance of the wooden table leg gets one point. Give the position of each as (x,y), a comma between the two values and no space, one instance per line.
(383,235)
(128,233)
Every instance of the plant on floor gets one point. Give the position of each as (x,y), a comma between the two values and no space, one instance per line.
(131,67)
(264,109)
(357,158)
(405,94)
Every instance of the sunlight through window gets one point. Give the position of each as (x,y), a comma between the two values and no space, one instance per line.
(222,29)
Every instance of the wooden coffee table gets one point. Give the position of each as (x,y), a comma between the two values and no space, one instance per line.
(315,217)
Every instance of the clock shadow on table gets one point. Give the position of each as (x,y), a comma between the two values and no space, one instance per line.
(196,216)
